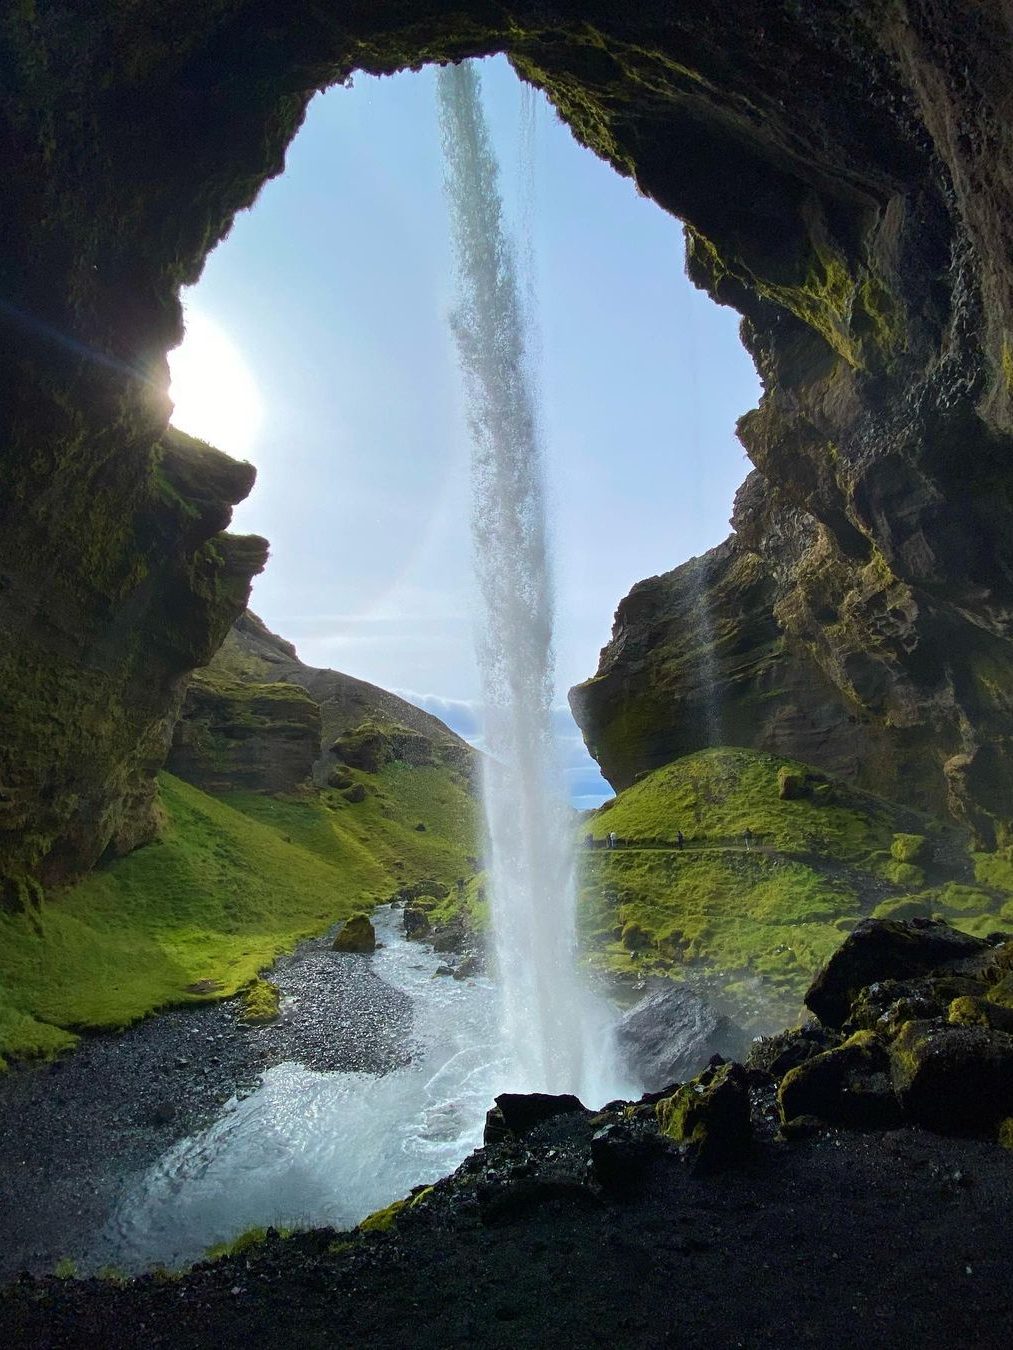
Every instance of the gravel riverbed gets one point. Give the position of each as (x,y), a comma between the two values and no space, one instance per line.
(74,1135)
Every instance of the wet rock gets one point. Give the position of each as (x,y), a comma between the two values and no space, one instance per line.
(953,1079)
(775,1055)
(848,1085)
(522,1111)
(969,1011)
(671,1034)
(450,937)
(709,1116)
(468,968)
(416,922)
(358,935)
(884,949)
(620,1155)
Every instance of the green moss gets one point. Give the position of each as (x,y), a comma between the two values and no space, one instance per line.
(65,1268)
(382,1221)
(1006,1133)
(994,870)
(246,1241)
(958,899)
(261,1002)
(908,848)
(904,874)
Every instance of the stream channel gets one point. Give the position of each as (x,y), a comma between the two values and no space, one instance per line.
(148,1147)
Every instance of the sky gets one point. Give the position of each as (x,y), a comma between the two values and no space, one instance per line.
(318,348)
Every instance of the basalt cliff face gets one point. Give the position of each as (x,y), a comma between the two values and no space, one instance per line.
(844,172)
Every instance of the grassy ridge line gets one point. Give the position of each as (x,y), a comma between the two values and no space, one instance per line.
(824,861)
(233,882)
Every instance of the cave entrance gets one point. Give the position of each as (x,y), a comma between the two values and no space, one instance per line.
(336,286)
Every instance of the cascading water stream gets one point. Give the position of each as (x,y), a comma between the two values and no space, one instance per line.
(707,669)
(556,1034)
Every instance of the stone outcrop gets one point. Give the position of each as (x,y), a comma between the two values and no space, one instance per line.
(360,725)
(844,172)
(930,1043)
(357,935)
(254,737)
(258,719)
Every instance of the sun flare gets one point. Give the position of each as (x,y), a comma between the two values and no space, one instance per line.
(215,396)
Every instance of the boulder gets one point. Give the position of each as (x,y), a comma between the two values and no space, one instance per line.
(518,1112)
(416,922)
(886,949)
(709,1116)
(354,794)
(775,1055)
(848,1085)
(671,1034)
(357,935)
(953,1079)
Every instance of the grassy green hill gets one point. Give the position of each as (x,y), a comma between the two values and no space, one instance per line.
(234,880)
(824,855)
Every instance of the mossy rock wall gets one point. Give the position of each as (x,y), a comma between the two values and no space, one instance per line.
(236,735)
(812,150)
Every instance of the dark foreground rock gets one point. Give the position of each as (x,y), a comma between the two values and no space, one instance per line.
(931,1043)
(892,1239)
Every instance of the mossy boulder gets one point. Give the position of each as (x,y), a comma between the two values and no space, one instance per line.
(416,922)
(261,1002)
(904,874)
(880,950)
(847,1085)
(357,935)
(908,848)
(968,1011)
(775,1055)
(953,1079)
(709,1116)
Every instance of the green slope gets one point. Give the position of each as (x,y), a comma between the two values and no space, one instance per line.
(818,864)
(234,881)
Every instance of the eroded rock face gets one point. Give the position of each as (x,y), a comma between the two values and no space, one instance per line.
(845,176)
(233,735)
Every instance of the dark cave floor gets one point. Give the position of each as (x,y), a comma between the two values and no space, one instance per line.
(881,1239)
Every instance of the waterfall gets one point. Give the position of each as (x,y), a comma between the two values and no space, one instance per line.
(555,1034)
(707,668)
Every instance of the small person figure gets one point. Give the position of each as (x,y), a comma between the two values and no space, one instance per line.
(680,839)
(612,838)
(747,837)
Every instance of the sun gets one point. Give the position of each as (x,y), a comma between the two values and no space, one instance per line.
(215,396)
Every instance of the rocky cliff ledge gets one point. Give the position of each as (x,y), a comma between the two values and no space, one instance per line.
(844,172)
